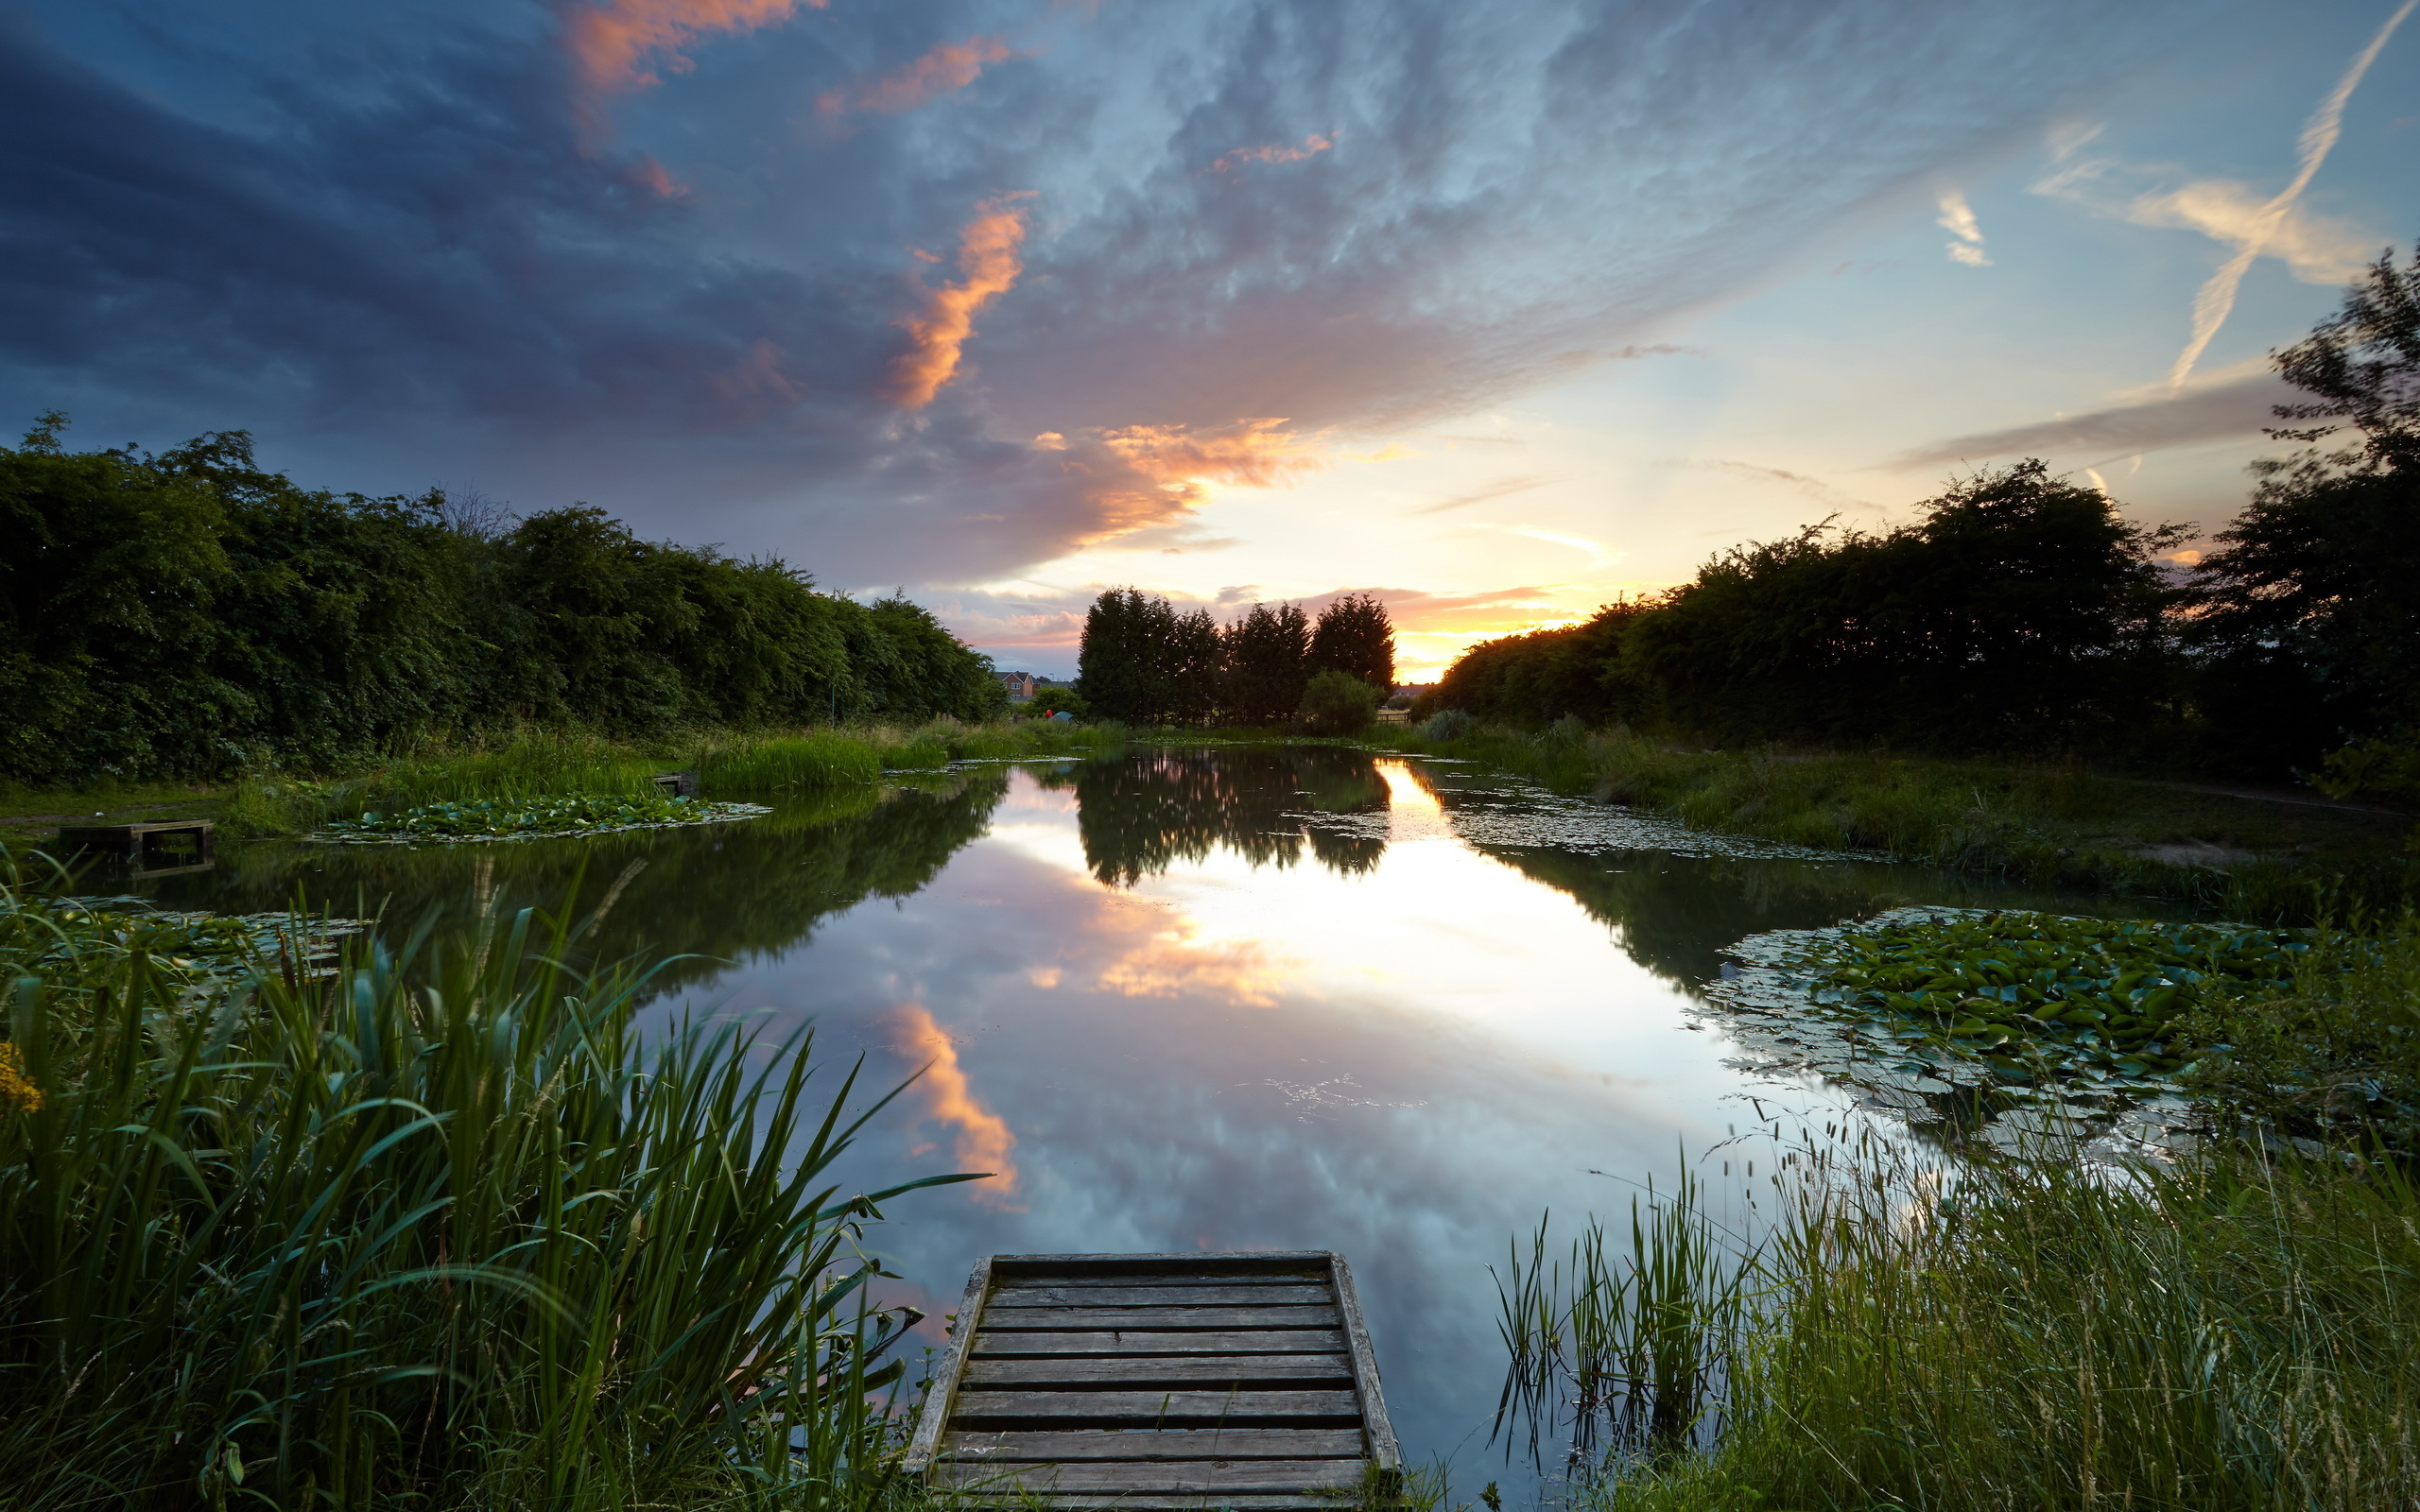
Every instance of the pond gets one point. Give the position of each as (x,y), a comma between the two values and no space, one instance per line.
(1288,996)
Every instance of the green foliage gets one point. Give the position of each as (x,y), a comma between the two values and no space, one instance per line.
(2332,1055)
(1353,635)
(1268,658)
(1616,1355)
(436,1233)
(489,820)
(2045,823)
(2040,995)
(190,614)
(2310,609)
(1533,679)
(2387,768)
(1144,663)
(2234,1333)
(2022,613)
(1128,667)
(1336,704)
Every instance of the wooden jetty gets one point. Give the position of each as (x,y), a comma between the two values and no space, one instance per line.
(1152,1381)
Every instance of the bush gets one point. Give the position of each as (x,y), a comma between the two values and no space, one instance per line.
(1336,704)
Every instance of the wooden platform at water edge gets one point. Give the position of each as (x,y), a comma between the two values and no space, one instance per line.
(1151,1381)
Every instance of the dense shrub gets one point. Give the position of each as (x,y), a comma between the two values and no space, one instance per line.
(187,613)
(1335,703)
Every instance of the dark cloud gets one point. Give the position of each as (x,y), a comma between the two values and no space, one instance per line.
(412,247)
(2218,412)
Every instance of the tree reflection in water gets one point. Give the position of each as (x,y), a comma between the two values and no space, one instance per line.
(1144,813)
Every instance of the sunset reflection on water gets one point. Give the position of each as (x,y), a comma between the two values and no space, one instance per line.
(1283,996)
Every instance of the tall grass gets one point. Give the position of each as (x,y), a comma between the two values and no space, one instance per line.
(2048,824)
(2239,1332)
(537,762)
(1616,1354)
(439,1233)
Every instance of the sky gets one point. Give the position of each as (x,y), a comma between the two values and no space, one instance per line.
(1496,311)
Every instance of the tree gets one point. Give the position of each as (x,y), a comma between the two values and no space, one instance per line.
(1354,636)
(1123,670)
(2363,365)
(1267,664)
(2309,610)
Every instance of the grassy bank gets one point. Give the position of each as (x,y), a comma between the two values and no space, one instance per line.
(2238,1330)
(541,762)
(2239,1334)
(436,1233)
(2037,823)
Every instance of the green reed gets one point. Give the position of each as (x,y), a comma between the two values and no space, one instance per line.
(2239,1331)
(438,1232)
(1620,1354)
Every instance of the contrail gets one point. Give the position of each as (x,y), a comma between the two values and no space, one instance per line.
(2216,300)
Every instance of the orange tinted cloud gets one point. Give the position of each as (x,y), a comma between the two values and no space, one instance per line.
(611,41)
(952,66)
(1139,477)
(1312,146)
(984,1142)
(988,264)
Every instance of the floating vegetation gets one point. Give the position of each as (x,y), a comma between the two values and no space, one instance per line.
(530,819)
(1968,1015)
(40,936)
(1501,811)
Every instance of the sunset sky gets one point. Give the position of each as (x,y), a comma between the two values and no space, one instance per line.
(1497,310)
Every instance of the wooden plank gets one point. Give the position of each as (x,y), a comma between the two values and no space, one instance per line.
(1163,1502)
(1071,1319)
(1150,1340)
(943,1392)
(1157,1370)
(1191,1277)
(1304,1259)
(1383,1448)
(975,1407)
(1165,1476)
(1007,1445)
(1249,1294)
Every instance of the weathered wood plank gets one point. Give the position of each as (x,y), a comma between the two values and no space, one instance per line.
(1157,1370)
(1164,1278)
(1163,1502)
(1383,1448)
(1067,1319)
(1167,1476)
(1150,1340)
(1007,1445)
(1256,1294)
(975,1407)
(943,1392)
(1248,1260)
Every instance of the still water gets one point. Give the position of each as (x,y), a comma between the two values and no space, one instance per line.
(1287,997)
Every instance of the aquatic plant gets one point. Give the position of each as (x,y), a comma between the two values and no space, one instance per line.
(494,819)
(439,1233)
(1616,1356)
(2035,994)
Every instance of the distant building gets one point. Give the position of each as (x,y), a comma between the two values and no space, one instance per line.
(1020,685)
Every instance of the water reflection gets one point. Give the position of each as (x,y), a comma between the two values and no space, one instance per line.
(712,894)
(1132,1002)
(1141,815)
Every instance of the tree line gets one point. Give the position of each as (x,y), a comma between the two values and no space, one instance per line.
(2024,614)
(187,613)
(1144,662)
